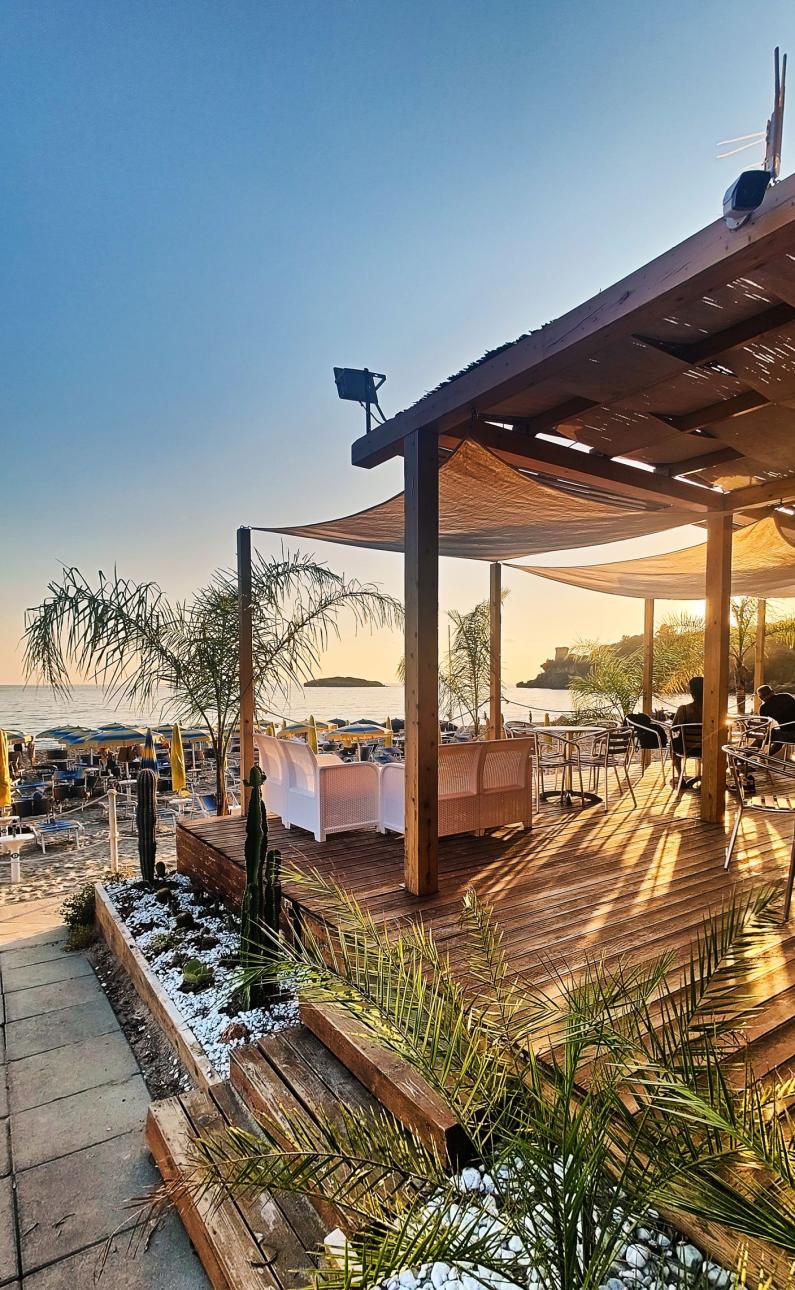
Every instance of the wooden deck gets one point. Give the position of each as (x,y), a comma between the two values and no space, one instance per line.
(635,882)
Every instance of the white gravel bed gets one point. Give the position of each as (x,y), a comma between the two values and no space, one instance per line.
(652,1257)
(207,1011)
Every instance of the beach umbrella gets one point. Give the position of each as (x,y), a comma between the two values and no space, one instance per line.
(68,735)
(356,731)
(105,736)
(179,778)
(388,741)
(299,728)
(311,735)
(190,734)
(5,772)
(15,736)
(270,729)
(149,758)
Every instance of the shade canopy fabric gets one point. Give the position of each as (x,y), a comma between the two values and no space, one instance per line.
(763,564)
(488,510)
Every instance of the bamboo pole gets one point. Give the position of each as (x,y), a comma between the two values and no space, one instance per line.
(495,651)
(245,661)
(759,649)
(716,666)
(421,565)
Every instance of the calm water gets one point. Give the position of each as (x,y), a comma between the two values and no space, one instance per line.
(33,708)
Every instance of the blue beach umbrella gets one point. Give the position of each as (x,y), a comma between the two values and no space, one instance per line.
(105,736)
(69,735)
(359,730)
(149,758)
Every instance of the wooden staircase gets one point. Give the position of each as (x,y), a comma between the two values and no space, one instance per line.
(259,1240)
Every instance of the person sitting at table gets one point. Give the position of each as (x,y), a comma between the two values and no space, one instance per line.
(780,707)
(112,767)
(687,743)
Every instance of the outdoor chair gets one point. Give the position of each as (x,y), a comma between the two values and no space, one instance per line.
(273,764)
(745,767)
(650,737)
(557,754)
(482,784)
(52,830)
(750,732)
(326,795)
(611,749)
(686,743)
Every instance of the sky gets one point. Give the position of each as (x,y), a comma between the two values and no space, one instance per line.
(207,205)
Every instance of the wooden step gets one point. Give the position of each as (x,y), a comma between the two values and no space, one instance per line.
(390,1079)
(256,1241)
(291,1077)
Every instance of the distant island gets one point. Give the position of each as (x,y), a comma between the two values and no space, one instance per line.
(344,683)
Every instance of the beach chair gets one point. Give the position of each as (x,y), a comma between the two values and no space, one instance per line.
(777,798)
(57,830)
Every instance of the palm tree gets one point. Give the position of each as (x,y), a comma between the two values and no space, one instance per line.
(132,640)
(465,668)
(619,1089)
(613,684)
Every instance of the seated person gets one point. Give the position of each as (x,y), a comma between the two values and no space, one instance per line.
(691,715)
(781,708)
(112,766)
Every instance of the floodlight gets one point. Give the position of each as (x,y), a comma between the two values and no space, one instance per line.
(360,386)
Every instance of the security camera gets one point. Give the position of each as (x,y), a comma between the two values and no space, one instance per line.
(745,196)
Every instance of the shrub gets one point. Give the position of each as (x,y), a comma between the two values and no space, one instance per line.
(81,936)
(79,909)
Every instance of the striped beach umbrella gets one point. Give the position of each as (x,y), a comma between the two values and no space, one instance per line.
(106,736)
(149,758)
(358,731)
(69,735)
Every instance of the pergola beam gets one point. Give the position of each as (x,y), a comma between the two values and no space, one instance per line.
(245,660)
(495,651)
(421,564)
(759,649)
(716,667)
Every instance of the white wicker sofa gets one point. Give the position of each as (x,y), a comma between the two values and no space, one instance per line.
(320,793)
(481,786)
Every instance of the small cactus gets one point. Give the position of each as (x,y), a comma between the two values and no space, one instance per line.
(146,822)
(196,976)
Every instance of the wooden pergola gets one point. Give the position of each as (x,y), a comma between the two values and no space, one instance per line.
(686,368)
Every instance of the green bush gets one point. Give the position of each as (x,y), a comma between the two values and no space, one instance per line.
(79,909)
(81,936)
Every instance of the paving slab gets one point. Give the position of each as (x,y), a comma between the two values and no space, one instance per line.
(64,1026)
(23,953)
(67,1204)
(50,998)
(70,1123)
(63,968)
(73,1068)
(8,1236)
(168,1263)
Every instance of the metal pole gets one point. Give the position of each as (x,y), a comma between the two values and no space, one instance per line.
(246,662)
(114,831)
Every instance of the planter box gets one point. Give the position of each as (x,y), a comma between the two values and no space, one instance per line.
(120,942)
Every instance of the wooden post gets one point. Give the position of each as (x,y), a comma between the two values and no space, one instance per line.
(245,661)
(759,649)
(495,651)
(648,656)
(421,473)
(113,830)
(716,666)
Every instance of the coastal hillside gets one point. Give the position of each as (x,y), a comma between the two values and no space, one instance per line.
(556,672)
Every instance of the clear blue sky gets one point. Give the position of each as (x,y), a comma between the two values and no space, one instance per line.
(208,205)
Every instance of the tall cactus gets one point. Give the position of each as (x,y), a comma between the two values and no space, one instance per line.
(146,822)
(261,910)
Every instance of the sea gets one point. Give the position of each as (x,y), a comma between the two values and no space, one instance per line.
(32,708)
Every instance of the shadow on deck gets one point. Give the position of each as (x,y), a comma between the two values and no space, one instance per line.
(633,882)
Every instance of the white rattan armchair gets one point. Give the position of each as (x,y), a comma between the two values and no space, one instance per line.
(326,795)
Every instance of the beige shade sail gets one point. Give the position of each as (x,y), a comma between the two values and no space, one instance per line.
(488,510)
(763,564)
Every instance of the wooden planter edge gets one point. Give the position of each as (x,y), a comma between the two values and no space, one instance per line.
(178,1032)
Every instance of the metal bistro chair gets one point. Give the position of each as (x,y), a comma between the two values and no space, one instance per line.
(557,753)
(750,732)
(652,738)
(686,743)
(611,750)
(745,765)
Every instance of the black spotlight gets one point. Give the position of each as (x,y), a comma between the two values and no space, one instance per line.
(360,386)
